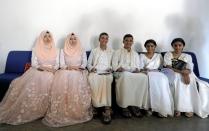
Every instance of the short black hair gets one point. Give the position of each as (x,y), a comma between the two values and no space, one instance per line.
(103,33)
(127,35)
(178,40)
(150,41)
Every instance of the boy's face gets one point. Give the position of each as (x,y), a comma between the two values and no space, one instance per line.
(103,40)
(128,41)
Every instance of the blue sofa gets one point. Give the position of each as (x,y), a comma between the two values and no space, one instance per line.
(17,60)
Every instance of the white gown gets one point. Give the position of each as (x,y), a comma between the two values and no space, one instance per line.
(161,99)
(192,97)
(131,88)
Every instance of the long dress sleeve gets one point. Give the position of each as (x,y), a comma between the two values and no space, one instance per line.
(57,64)
(137,61)
(167,59)
(115,61)
(34,60)
(190,64)
(84,60)
(141,61)
(62,60)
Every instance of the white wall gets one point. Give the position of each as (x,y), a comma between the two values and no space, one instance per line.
(21,21)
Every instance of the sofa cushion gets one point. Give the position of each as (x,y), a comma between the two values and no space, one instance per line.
(204,79)
(8,77)
(16,61)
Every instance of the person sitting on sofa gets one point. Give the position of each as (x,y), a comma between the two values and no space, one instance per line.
(131,84)
(100,77)
(27,98)
(191,95)
(70,99)
(161,99)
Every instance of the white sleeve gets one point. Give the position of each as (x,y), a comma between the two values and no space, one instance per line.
(167,59)
(141,62)
(137,61)
(115,60)
(62,60)
(190,64)
(34,60)
(84,60)
(90,61)
(111,61)
(56,66)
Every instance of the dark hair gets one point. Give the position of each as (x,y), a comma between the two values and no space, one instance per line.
(178,40)
(103,33)
(127,35)
(150,41)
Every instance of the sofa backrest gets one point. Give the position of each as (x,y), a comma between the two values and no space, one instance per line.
(16,61)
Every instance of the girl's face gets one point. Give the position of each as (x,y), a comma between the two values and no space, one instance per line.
(73,40)
(128,41)
(103,40)
(150,47)
(47,38)
(178,47)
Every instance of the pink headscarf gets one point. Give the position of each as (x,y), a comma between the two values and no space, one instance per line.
(43,51)
(75,50)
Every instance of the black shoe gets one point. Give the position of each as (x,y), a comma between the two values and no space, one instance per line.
(136,111)
(126,113)
(95,113)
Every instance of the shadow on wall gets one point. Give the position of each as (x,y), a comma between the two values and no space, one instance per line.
(192,25)
(94,42)
(61,43)
(138,47)
(116,43)
(105,20)
(188,27)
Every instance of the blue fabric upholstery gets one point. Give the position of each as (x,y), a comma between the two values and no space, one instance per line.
(204,79)
(15,64)
(5,80)
(88,53)
(16,61)
(8,77)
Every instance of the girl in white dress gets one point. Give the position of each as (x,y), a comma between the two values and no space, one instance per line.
(191,95)
(161,99)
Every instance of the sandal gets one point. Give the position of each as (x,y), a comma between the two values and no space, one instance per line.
(126,113)
(136,111)
(95,112)
(189,114)
(160,115)
(148,113)
(177,114)
(106,117)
